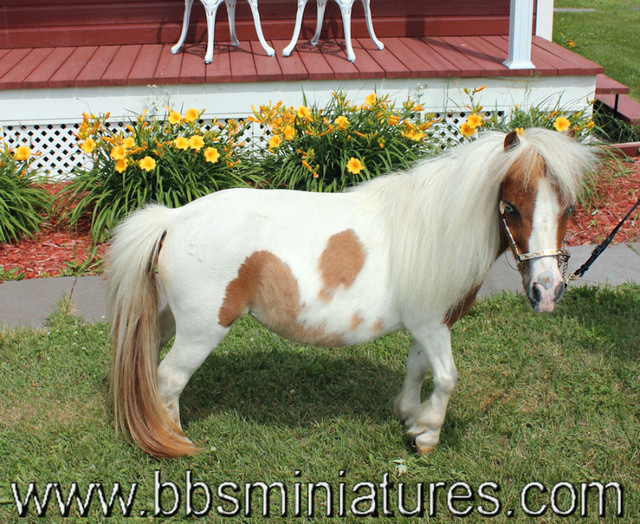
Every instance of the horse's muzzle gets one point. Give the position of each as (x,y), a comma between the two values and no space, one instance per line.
(544,292)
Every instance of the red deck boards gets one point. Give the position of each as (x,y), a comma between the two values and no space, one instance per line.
(267,67)
(454,54)
(143,69)
(220,69)
(117,73)
(94,70)
(68,71)
(392,67)
(23,68)
(403,57)
(243,67)
(292,66)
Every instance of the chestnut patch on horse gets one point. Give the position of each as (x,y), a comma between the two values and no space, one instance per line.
(356,320)
(377,326)
(459,310)
(519,188)
(266,288)
(340,262)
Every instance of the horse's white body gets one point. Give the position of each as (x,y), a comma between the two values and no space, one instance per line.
(408,250)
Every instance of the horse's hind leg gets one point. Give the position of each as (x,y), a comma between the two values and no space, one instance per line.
(431,349)
(190,348)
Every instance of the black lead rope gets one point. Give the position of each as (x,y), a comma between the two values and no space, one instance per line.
(599,249)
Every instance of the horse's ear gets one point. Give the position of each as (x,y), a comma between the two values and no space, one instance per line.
(511,140)
(572,132)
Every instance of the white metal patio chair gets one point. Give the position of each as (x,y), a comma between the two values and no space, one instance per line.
(345,11)
(211,7)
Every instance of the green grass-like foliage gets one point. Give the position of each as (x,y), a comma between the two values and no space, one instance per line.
(170,160)
(333,147)
(546,398)
(22,202)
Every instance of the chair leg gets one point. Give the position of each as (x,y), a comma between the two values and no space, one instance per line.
(296,31)
(185,26)
(210,7)
(367,16)
(322,4)
(345,11)
(231,15)
(256,21)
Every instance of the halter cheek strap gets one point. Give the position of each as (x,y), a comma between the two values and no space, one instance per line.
(562,254)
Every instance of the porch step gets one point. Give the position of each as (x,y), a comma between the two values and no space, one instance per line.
(612,94)
(623,106)
(608,86)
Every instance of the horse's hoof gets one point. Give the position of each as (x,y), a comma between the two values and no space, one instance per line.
(423,444)
(423,450)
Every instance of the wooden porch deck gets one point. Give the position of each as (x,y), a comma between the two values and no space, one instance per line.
(403,57)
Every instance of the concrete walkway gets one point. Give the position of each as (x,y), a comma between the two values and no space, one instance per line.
(28,303)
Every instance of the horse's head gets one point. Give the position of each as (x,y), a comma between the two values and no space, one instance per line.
(534,210)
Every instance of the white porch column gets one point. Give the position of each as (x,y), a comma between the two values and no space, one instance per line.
(520,21)
(544,19)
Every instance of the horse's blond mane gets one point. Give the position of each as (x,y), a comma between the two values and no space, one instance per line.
(441,216)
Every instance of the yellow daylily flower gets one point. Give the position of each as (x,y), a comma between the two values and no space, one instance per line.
(561,124)
(475,120)
(196,142)
(191,115)
(88,145)
(354,166)
(303,112)
(274,141)
(22,153)
(147,164)
(118,153)
(467,129)
(342,122)
(121,165)
(174,117)
(181,143)
(211,155)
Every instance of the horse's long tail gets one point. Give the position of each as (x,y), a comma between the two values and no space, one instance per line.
(132,309)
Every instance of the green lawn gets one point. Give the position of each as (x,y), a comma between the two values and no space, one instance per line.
(541,398)
(608,36)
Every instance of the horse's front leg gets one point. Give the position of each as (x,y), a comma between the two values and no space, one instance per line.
(431,349)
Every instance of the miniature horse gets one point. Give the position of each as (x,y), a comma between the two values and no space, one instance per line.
(408,250)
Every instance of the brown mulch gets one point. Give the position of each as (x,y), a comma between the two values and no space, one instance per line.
(617,193)
(57,250)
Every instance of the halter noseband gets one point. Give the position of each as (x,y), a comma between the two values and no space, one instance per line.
(562,253)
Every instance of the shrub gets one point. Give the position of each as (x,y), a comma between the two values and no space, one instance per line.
(330,148)
(170,161)
(23,204)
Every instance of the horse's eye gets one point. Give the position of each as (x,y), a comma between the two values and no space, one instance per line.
(570,210)
(506,207)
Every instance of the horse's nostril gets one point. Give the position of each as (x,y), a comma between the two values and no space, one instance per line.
(559,291)
(536,295)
